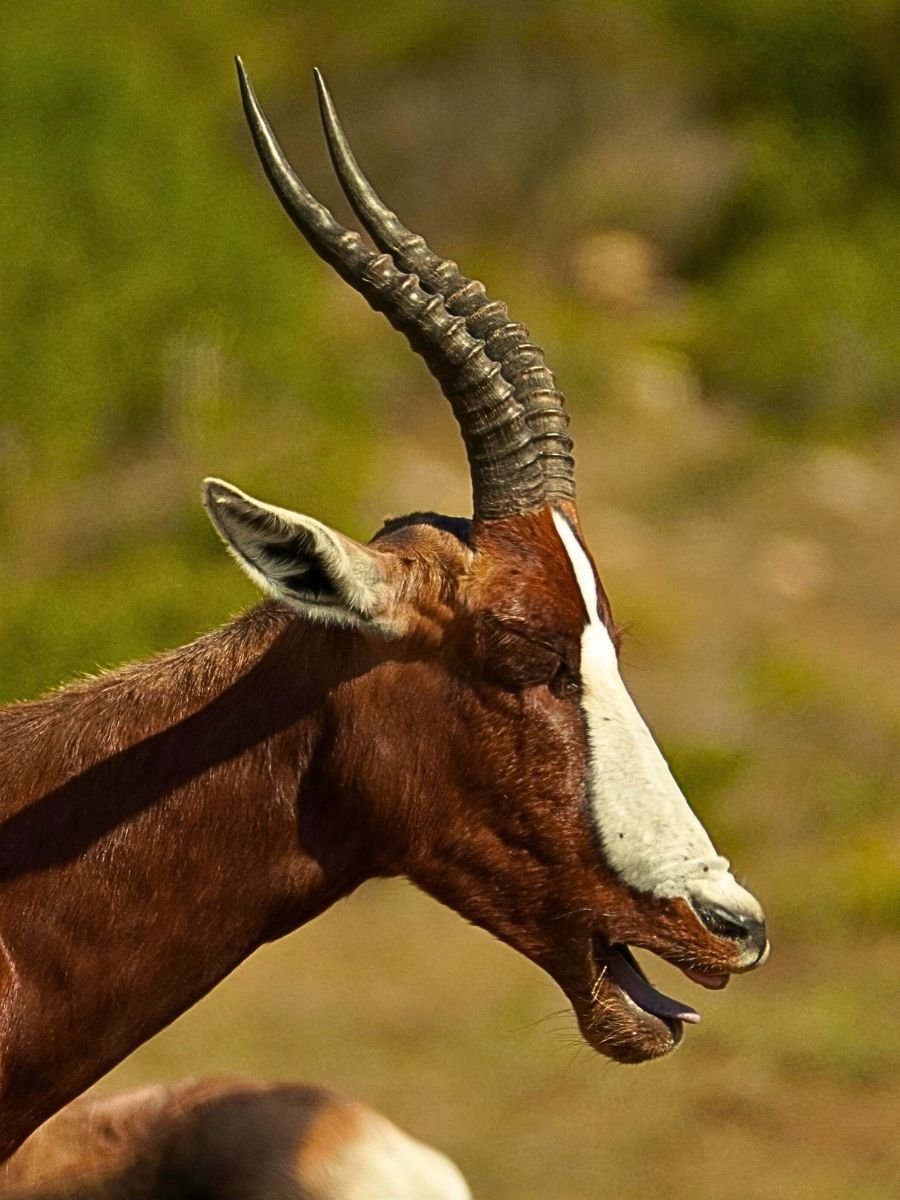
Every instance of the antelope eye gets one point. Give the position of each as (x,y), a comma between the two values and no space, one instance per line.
(532,664)
(513,655)
(564,682)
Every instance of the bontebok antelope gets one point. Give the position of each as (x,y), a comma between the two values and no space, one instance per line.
(226,1139)
(442,703)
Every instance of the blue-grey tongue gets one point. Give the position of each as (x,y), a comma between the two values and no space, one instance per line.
(633,984)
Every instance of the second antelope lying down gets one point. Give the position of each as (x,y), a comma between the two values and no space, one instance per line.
(443,703)
(226,1139)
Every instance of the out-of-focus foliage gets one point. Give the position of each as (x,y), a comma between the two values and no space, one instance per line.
(696,208)
(803,257)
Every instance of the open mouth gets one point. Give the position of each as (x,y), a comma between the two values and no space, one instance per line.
(616,966)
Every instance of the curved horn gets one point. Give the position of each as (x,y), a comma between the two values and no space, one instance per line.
(506,473)
(506,342)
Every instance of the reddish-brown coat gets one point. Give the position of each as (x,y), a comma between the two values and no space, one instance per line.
(159,823)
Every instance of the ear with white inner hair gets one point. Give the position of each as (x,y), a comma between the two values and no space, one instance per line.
(318,571)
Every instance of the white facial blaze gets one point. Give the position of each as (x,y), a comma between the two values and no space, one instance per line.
(650,836)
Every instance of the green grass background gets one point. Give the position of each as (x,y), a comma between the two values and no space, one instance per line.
(696,209)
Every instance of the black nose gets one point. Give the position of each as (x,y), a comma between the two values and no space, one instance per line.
(740,927)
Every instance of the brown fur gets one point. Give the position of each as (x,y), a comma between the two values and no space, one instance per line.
(158,823)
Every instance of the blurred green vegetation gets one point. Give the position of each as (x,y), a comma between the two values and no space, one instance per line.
(696,208)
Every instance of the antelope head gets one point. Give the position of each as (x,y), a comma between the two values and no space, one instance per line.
(490,746)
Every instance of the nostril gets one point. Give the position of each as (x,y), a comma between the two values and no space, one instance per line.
(737,926)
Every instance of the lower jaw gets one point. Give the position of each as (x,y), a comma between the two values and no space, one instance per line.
(663,1032)
(618,1027)
(633,1045)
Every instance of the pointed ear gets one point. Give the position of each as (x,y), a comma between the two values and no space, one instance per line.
(325,575)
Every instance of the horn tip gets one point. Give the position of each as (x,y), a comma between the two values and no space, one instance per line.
(244,81)
(326,104)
